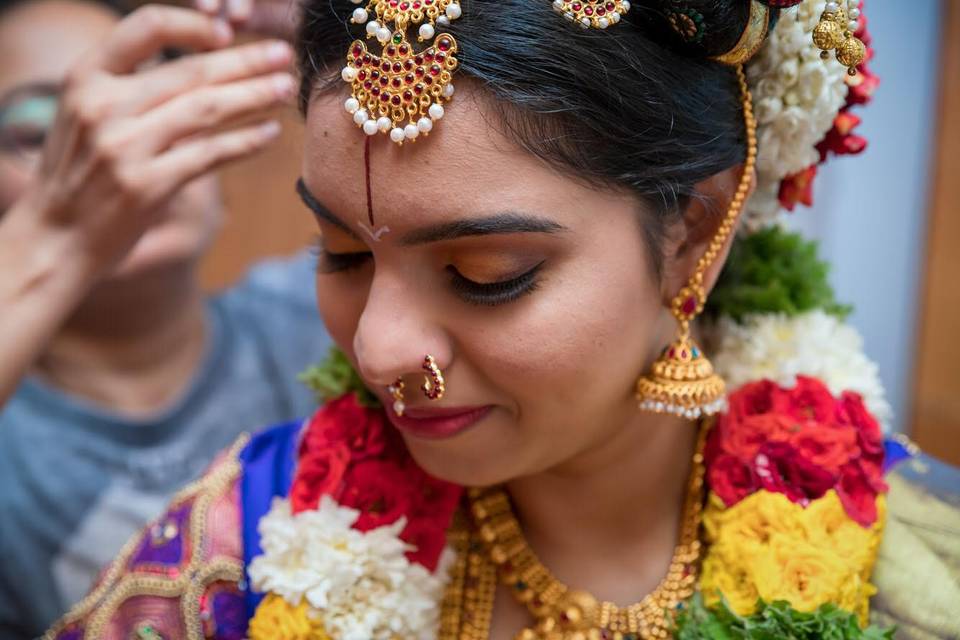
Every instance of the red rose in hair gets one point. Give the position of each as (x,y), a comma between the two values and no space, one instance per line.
(781,469)
(380,490)
(319,473)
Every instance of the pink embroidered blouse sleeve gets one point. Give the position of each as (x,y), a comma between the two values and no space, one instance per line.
(178,579)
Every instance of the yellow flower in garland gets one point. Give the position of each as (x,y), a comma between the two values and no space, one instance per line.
(277,619)
(768,547)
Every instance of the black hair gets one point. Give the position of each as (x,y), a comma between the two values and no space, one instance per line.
(638,105)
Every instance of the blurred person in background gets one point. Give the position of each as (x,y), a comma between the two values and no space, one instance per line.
(115,369)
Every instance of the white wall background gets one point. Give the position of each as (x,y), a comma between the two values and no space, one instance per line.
(870,210)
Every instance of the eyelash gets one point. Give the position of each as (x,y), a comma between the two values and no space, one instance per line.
(327,262)
(494,294)
(488,294)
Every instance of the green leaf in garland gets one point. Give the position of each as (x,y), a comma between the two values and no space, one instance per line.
(334,377)
(773,271)
(771,621)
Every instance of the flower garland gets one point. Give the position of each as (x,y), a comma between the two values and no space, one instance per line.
(781,348)
(795,510)
(358,550)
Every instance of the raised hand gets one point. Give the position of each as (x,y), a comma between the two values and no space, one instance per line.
(126,138)
(276,18)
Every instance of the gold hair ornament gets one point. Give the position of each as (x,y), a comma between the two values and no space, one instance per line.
(835,32)
(401,92)
(682,380)
(598,14)
(752,37)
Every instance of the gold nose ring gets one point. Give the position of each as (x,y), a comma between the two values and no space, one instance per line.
(396,391)
(433,385)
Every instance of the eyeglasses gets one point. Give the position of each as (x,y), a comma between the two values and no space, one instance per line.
(27,113)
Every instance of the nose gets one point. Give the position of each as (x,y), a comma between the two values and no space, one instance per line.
(396,332)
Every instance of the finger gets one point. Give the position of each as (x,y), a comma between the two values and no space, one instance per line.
(274,19)
(227,65)
(197,157)
(238,11)
(149,29)
(209,7)
(211,107)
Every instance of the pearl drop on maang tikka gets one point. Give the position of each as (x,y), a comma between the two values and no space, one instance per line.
(401,92)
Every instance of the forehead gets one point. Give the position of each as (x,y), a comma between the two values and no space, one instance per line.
(464,167)
(41,40)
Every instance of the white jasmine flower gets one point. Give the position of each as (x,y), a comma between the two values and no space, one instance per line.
(361,583)
(816,344)
(797,97)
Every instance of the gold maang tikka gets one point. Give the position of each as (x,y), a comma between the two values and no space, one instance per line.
(401,92)
(682,380)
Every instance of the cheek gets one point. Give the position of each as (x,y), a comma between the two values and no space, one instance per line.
(583,325)
(341,299)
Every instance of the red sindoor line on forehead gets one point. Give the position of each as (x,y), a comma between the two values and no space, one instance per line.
(366,163)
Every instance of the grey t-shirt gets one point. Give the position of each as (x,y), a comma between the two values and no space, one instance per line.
(76,482)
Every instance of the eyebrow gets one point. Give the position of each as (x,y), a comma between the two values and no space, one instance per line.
(501,223)
(498,224)
(321,211)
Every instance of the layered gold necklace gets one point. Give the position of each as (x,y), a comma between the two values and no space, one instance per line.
(489,542)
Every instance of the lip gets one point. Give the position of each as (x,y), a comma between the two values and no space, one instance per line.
(440,422)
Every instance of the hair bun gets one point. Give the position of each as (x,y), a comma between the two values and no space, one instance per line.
(704,28)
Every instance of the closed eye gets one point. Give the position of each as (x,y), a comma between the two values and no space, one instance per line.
(329,262)
(494,293)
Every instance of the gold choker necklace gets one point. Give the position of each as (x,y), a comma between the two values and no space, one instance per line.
(494,544)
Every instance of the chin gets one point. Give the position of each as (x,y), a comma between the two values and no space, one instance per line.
(463,463)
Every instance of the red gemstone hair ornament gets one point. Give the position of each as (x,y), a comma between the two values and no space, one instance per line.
(596,14)
(401,91)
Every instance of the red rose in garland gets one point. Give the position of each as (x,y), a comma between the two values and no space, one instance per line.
(379,490)
(345,421)
(828,448)
(730,478)
(799,442)
(352,454)
(809,400)
(782,469)
(320,473)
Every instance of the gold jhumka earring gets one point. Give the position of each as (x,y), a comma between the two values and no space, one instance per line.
(682,380)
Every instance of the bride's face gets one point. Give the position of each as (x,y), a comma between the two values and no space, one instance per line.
(534,293)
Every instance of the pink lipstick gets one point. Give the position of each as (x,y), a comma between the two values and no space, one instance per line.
(437,423)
